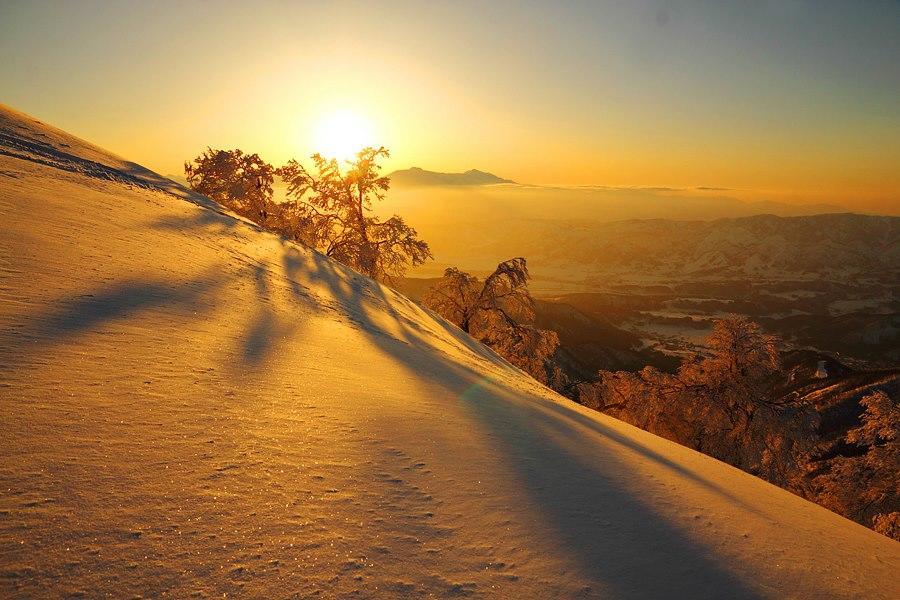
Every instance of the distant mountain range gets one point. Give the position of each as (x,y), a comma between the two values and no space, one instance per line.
(834,247)
(415,177)
(762,246)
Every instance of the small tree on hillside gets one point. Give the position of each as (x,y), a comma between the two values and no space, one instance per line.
(736,414)
(499,312)
(238,181)
(332,209)
(865,488)
(721,404)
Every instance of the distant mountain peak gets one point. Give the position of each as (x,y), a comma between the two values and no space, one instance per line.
(417,176)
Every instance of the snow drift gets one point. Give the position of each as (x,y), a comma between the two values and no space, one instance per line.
(189,405)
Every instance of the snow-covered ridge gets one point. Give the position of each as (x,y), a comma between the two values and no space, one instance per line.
(189,405)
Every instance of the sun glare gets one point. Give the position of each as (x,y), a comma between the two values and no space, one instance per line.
(341,134)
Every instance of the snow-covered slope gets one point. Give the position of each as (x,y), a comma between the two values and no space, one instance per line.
(191,406)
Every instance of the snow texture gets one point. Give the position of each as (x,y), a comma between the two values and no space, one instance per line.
(192,406)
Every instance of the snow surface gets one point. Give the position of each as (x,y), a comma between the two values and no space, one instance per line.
(191,406)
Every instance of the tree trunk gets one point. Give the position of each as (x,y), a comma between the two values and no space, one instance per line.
(366,251)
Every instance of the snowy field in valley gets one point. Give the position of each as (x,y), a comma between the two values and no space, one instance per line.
(191,406)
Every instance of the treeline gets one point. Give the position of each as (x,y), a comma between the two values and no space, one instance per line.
(327,208)
(330,209)
(726,404)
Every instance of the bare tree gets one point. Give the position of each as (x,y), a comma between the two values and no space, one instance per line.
(498,312)
(332,211)
(238,181)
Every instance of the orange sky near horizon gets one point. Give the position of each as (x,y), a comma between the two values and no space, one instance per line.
(782,101)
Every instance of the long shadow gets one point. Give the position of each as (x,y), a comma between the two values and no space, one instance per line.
(563,412)
(581,491)
(267,326)
(30,333)
(208,220)
(83,312)
(618,540)
(358,298)
(351,294)
(69,317)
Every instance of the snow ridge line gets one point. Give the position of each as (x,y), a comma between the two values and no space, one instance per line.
(47,155)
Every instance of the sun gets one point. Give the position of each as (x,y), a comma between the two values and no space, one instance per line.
(341,134)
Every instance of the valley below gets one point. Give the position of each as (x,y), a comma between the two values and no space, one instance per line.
(827,282)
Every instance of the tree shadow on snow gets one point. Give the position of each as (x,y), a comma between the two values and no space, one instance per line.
(364,303)
(121,300)
(614,534)
(582,491)
(266,327)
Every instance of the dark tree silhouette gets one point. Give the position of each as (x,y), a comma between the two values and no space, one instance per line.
(238,181)
(498,312)
(333,213)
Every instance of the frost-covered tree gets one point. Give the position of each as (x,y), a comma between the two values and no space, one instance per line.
(332,212)
(238,181)
(720,404)
(865,487)
(499,312)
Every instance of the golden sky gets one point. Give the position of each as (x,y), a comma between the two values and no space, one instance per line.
(773,100)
